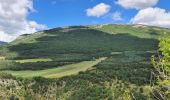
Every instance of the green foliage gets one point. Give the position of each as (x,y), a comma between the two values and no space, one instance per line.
(34,60)
(6,75)
(117,77)
(125,74)
(61,71)
(162,70)
(165,49)
(75,44)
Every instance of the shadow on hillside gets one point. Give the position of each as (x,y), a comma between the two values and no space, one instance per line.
(153,32)
(78,43)
(80,40)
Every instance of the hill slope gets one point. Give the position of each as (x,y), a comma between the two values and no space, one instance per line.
(78,43)
(123,75)
(2,43)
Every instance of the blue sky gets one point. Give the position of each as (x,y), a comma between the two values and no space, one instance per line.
(54,13)
(19,17)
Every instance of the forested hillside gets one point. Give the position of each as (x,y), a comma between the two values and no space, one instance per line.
(100,62)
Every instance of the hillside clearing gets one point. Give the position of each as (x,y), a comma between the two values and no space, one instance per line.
(34,60)
(59,71)
(2,58)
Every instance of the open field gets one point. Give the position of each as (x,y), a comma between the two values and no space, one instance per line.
(2,58)
(33,60)
(57,72)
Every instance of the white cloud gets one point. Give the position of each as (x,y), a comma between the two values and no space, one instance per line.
(137,4)
(6,37)
(152,16)
(117,16)
(13,19)
(98,10)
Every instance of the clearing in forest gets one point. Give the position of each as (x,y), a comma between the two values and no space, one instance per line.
(58,72)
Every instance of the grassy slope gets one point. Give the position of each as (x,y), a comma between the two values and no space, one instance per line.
(58,72)
(141,31)
(34,60)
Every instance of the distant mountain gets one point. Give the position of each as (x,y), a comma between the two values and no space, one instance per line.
(2,43)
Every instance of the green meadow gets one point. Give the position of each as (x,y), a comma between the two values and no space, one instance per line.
(33,60)
(61,71)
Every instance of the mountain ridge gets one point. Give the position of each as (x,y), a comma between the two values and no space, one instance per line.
(133,25)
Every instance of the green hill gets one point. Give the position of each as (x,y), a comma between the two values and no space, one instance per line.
(2,43)
(81,63)
(78,43)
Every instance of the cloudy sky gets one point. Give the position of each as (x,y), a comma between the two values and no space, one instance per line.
(28,16)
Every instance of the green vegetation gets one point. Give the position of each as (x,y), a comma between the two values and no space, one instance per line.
(34,60)
(2,58)
(56,42)
(67,63)
(161,73)
(119,76)
(2,43)
(57,72)
(141,31)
